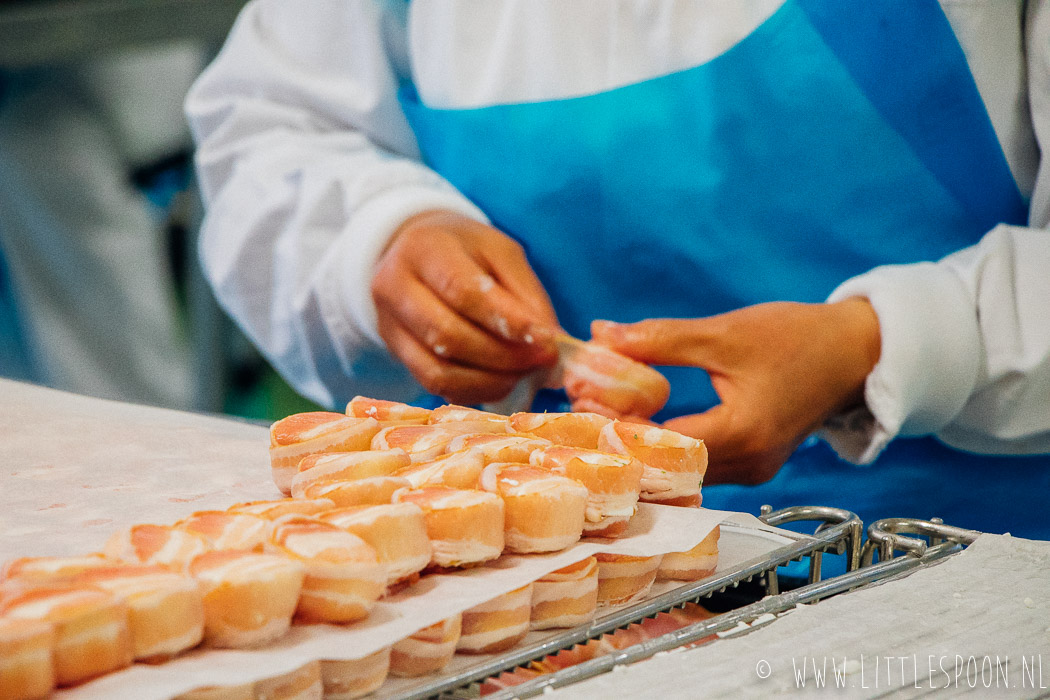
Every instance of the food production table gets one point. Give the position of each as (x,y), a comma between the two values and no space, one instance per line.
(76,469)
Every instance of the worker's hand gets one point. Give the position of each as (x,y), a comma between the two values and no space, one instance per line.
(780,369)
(460,306)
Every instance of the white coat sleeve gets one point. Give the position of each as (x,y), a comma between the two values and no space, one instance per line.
(307,166)
(966,340)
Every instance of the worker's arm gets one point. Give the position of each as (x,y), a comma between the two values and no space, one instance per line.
(308,168)
(962,345)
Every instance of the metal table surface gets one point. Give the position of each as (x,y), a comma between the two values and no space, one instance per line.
(36,32)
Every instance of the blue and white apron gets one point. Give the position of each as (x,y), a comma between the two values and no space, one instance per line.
(836,137)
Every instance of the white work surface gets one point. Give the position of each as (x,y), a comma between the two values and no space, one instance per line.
(989,602)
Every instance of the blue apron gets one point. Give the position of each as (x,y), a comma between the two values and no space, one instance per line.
(836,137)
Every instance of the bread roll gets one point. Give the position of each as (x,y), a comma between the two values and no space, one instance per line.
(157,544)
(464,526)
(241,691)
(458,470)
(346,680)
(27,671)
(368,491)
(427,442)
(498,624)
(594,373)
(90,625)
(463,414)
(499,448)
(388,413)
(226,530)
(699,562)
(271,510)
(54,568)
(567,597)
(249,598)
(303,434)
(304,683)
(613,483)
(396,531)
(165,609)
(544,512)
(674,464)
(624,579)
(427,651)
(346,466)
(344,578)
(571,429)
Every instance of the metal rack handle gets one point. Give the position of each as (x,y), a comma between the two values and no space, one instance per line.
(829,518)
(891,535)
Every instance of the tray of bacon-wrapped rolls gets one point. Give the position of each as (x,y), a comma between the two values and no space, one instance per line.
(407,536)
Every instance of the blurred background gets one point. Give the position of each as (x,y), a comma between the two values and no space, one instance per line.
(100,289)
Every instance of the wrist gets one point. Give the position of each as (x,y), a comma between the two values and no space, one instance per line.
(443,218)
(860,339)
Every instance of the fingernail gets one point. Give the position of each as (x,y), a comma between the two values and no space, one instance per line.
(538,334)
(604,327)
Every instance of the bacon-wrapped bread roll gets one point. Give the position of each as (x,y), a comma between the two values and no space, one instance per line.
(388,413)
(355,678)
(344,578)
(396,531)
(367,491)
(613,483)
(90,624)
(544,512)
(249,598)
(498,624)
(464,526)
(458,470)
(157,544)
(317,468)
(165,609)
(427,442)
(271,510)
(595,376)
(304,683)
(499,448)
(452,413)
(241,691)
(570,429)
(303,434)
(674,463)
(624,579)
(567,597)
(699,562)
(54,568)
(427,651)
(27,671)
(225,530)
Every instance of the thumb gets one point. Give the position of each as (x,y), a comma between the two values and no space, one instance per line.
(659,341)
(709,426)
(714,428)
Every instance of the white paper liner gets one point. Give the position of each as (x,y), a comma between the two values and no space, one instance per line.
(77,469)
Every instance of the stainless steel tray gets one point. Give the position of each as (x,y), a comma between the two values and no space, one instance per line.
(839,532)
(885,539)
